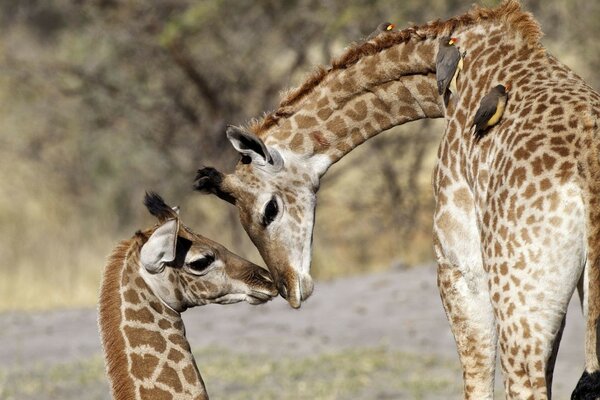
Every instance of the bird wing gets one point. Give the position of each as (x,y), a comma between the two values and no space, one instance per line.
(445,69)
(483,114)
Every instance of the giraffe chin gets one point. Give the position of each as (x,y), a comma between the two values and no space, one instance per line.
(296,289)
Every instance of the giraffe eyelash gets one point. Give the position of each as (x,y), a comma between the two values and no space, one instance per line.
(271,211)
(202,263)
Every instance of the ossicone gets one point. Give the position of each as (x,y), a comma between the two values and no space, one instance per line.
(157,207)
(210,180)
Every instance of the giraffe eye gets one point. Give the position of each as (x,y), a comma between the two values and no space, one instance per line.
(202,263)
(271,210)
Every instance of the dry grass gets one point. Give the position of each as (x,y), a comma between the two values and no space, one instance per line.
(367,373)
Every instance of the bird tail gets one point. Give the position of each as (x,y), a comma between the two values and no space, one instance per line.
(588,386)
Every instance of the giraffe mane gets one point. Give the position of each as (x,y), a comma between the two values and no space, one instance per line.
(509,12)
(109,319)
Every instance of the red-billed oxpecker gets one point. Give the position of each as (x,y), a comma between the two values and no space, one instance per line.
(448,64)
(491,108)
(381,28)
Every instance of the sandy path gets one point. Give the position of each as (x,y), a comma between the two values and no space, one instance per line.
(397,309)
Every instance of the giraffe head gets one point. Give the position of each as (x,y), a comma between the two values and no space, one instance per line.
(185,269)
(274,190)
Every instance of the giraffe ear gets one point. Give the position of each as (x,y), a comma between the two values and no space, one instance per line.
(160,247)
(249,145)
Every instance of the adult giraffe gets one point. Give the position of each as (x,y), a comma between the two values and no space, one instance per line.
(517,217)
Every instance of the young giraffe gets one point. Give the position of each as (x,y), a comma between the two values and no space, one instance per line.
(517,219)
(149,281)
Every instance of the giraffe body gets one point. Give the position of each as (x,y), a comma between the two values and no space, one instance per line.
(517,219)
(141,300)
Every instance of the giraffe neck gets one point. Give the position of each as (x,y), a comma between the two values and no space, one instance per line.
(146,351)
(388,88)
(376,85)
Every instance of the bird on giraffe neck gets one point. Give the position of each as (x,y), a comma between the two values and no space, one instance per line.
(381,28)
(491,108)
(448,64)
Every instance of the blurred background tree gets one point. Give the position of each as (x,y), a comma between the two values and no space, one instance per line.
(101,100)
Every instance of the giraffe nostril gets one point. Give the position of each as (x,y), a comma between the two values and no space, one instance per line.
(282,289)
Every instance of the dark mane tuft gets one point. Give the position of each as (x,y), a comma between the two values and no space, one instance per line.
(157,207)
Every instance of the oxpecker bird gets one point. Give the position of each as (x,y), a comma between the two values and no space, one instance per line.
(383,27)
(448,64)
(491,108)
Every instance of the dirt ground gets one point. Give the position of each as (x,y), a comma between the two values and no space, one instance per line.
(362,326)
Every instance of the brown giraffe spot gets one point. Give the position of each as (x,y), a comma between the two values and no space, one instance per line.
(297,142)
(154,394)
(538,204)
(518,176)
(382,120)
(206,286)
(337,126)
(462,199)
(556,221)
(190,375)
(144,315)
(322,102)
(381,105)
(522,298)
(290,199)
(175,355)
(562,151)
(496,297)
(557,127)
(139,337)
(504,268)
(282,134)
(324,113)
(140,283)
(510,310)
(164,324)
(529,191)
(545,184)
(156,306)
(169,377)
(359,111)
(131,296)
(180,341)
(143,366)
(178,294)
(306,121)
(408,113)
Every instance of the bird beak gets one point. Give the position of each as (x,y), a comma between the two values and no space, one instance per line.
(390,27)
(453,40)
(508,86)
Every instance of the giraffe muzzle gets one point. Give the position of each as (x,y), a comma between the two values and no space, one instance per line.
(296,289)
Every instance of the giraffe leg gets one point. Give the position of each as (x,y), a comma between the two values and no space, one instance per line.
(552,360)
(470,315)
(463,285)
(530,324)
